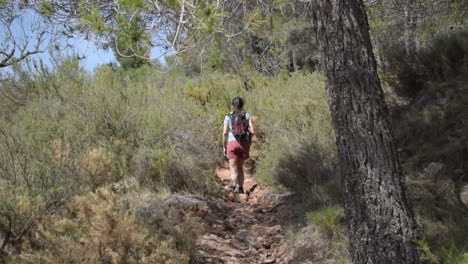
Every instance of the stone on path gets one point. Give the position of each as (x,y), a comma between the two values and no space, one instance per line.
(241,229)
(172,209)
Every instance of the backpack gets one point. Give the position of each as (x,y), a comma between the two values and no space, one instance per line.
(240,126)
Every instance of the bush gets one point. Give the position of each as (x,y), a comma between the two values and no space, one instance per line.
(329,220)
(451,255)
(444,57)
(425,252)
(76,133)
(330,223)
(442,220)
(297,138)
(78,136)
(100,227)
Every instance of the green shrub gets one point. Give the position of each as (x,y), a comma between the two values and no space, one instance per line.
(296,138)
(329,220)
(76,133)
(445,56)
(330,223)
(450,254)
(429,131)
(425,252)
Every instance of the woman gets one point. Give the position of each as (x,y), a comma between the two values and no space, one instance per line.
(237,135)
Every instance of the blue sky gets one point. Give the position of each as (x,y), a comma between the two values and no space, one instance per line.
(25,29)
(93,56)
(26,25)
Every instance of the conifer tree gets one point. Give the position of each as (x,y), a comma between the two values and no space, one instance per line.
(381,224)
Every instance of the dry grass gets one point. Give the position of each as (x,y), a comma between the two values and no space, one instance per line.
(313,245)
(96,167)
(100,227)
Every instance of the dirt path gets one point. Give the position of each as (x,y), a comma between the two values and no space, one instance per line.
(245,228)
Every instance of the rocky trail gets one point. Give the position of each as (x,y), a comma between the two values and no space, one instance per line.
(245,228)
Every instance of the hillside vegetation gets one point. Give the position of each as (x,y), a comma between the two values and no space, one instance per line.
(81,151)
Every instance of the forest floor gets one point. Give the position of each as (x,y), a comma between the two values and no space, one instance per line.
(245,228)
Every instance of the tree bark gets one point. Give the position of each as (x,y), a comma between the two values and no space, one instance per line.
(410,13)
(381,224)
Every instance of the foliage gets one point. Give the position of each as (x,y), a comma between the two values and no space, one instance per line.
(132,46)
(438,34)
(24,30)
(425,252)
(69,137)
(299,145)
(94,20)
(45,9)
(132,3)
(77,132)
(440,217)
(442,18)
(394,25)
(37,173)
(428,131)
(442,58)
(101,227)
(329,219)
(451,255)
(330,222)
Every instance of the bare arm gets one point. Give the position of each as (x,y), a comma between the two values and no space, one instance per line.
(251,128)
(225,132)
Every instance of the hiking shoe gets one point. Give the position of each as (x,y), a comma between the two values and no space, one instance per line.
(238,190)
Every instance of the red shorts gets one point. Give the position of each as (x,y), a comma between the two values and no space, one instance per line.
(236,150)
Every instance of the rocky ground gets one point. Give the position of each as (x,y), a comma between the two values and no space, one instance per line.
(245,228)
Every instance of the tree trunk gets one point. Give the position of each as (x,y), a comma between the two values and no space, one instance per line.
(380,220)
(410,13)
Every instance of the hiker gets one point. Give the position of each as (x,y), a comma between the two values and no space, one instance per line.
(239,129)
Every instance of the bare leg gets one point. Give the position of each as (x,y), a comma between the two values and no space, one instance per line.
(240,173)
(234,171)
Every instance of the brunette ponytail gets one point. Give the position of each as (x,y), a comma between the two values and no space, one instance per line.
(237,104)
